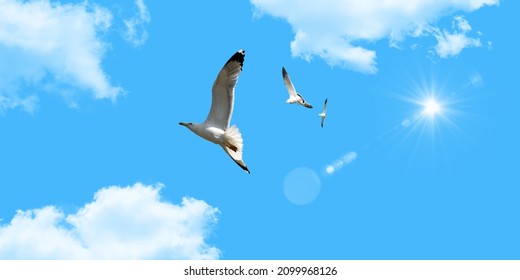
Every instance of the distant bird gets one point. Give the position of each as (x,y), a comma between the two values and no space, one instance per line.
(216,126)
(294,97)
(323,114)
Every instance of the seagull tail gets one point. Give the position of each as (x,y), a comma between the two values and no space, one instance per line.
(234,145)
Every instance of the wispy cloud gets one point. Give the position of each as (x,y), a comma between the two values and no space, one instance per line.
(475,80)
(335,30)
(406,122)
(50,43)
(28,103)
(452,43)
(136,33)
(341,162)
(120,223)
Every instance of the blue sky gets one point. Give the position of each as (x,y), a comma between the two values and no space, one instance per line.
(93,163)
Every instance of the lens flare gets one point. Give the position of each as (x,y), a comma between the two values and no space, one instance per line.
(431,107)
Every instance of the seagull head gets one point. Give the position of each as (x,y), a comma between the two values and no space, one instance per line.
(307,105)
(188,125)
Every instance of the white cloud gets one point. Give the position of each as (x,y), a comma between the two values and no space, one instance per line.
(52,43)
(340,163)
(452,43)
(28,104)
(461,23)
(135,32)
(120,223)
(335,30)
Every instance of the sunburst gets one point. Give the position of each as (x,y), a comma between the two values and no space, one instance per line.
(431,107)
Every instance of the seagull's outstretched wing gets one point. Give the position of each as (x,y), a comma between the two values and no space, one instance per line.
(288,83)
(325,107)
(223,91)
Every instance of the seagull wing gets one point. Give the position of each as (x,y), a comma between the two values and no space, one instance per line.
(325,107)
(288,83)
(223,92)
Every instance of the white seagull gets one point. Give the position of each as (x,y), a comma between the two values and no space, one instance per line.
(294,97)
(216,126)
(323,114)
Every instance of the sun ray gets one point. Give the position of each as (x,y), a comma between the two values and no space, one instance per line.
(428,118)
(433,113)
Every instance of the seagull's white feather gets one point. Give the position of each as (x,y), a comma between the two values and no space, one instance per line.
(223,92)
(216,126)
(288,84)
(234,146)
(294,97)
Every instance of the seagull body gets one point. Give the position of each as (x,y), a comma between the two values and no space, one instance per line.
(294,97)
(216,127)
(323,114)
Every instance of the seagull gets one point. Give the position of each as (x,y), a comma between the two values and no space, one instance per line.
(294,97)
(323,114)
(216,127)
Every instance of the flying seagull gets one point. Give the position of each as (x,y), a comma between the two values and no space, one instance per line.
(294,97)
(323,114)
(216,127)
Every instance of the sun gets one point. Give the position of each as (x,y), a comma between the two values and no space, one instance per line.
(431,107)
(433,114)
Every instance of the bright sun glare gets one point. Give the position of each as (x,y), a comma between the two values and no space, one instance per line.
(431,107)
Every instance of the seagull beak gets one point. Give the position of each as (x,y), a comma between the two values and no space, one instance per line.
(183,124)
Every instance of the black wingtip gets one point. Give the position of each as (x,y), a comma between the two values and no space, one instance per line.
(245,168)
(238,57)
(283,71)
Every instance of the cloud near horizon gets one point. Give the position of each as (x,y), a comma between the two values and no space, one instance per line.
(130,222)
(335,30)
